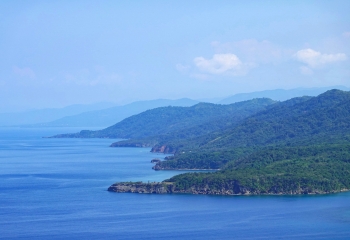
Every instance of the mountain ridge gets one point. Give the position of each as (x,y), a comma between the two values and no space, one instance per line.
(165,120)
(279,94)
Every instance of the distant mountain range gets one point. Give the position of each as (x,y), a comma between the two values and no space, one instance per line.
(182,121)
(85,115)
(279,94)
(106,114)
(48,114)
(109,116)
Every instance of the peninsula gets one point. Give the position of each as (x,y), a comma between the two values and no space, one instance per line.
(298,146)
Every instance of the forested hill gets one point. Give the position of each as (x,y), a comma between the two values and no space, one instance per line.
(165,120)
(323,116)
(300,146)
(319,120)
(298,119)
(280,170)
(210,131)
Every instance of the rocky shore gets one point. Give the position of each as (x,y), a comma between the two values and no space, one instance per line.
(236,189)
(140,187)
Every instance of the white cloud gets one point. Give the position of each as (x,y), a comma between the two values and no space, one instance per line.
(220,64)
(24,72)
(316,59)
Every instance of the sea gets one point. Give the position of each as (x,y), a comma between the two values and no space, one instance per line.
(53,188)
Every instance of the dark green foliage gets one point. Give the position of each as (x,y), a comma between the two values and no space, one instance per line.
(203,159)
(319,168)
(300,121)
(221,136)
(293,147)
(325,115)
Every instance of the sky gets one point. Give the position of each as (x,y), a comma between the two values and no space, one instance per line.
(58,53)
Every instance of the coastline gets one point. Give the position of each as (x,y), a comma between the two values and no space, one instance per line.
(187,169)
(237,190)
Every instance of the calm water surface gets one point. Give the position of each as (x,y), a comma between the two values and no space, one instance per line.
(57,189)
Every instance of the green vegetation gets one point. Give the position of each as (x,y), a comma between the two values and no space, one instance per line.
(296,148)
(301,145)
(285,170)
(182,122)
(297,122)
(202,159)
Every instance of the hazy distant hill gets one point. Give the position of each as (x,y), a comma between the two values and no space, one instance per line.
(178,120)
(279,94)
(48,114)
(110,116)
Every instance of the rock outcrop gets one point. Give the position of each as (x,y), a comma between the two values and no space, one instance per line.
(163,149)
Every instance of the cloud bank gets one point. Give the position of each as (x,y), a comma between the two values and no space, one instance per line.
(316,59)
(220,64)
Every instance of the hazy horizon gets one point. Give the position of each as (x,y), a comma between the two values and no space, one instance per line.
(55,54)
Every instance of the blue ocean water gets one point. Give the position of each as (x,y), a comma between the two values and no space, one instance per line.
(57,189)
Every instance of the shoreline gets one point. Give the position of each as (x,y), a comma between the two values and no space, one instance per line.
(187,169)
(170,188)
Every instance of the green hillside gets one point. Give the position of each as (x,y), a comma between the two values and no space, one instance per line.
(298,146)
(295,148)
(277,170)
(173,120)
(216,129)
(317,120)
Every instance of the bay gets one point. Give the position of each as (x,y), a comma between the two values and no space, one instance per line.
(57,189)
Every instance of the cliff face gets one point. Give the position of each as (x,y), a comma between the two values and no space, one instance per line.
(233,189)
(163,149)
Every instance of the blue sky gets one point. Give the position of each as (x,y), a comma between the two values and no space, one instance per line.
(57,53)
